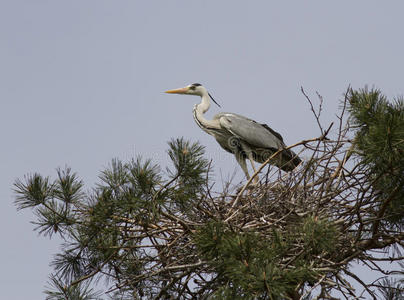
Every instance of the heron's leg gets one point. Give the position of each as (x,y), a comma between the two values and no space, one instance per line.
(249,153)
(255,170)
(241,161)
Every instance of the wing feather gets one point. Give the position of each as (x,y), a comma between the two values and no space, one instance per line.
(255,134)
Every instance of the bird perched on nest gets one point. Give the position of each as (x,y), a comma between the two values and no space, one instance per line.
(243,137)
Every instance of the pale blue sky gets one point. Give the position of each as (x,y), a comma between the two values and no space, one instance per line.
(82,82)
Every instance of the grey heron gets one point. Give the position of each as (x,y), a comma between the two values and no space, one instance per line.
(243,137)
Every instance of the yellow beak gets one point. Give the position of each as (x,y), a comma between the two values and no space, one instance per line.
(178,91)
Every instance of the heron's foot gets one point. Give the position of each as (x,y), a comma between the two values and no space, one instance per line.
(251,186)
(254,183)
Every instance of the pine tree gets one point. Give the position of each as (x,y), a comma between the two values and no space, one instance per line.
(167,234)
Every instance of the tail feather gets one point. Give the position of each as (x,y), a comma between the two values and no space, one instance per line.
(289,160)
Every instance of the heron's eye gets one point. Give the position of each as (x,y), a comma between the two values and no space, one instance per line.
(192,87)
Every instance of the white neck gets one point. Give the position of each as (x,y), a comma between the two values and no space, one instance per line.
(202,108)
(205,103)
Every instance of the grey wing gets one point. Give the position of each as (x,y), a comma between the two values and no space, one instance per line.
(255,134)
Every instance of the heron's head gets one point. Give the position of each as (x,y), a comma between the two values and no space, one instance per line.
(196,89)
